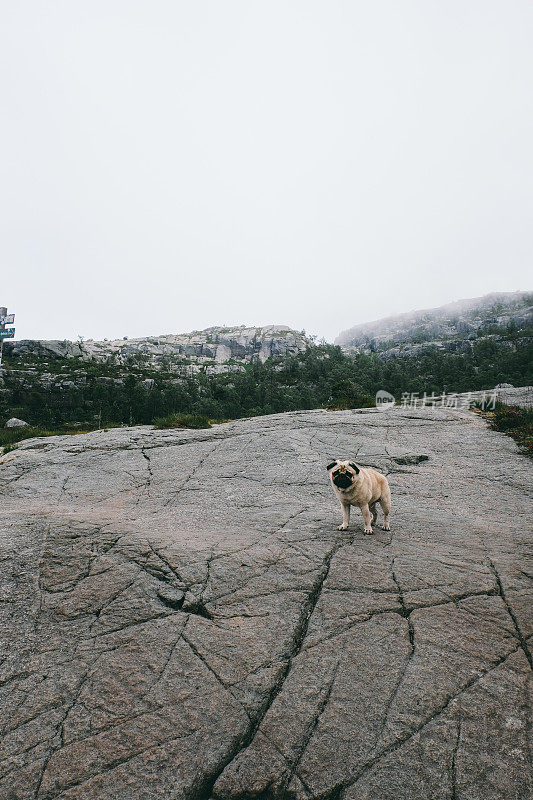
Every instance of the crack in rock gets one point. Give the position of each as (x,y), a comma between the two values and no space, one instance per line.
(299,634)
(453,765)
(326,694)
(520,636)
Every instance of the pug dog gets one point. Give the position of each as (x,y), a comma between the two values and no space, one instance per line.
(363,487)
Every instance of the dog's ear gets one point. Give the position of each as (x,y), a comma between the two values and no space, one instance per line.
(330,466)
(354,467)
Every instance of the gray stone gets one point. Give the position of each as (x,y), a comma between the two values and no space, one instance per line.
(17,423)
(181,617)
(511,396)
(172,597)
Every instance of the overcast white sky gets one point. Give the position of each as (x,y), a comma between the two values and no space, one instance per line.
(169,165)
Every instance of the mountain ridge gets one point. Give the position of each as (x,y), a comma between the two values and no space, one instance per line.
(210,350)
(451,327)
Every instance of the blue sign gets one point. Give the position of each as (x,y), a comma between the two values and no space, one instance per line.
(7,333)
(8,320)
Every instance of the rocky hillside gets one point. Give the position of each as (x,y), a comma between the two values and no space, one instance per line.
(182,619)
(501,319)
(211,351)
(228,373)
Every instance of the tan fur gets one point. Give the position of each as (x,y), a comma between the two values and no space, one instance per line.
(368,488)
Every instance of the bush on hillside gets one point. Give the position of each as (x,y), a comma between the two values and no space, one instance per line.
(516,422)
(346,394)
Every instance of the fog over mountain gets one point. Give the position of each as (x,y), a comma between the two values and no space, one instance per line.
(179,165)
(453,327)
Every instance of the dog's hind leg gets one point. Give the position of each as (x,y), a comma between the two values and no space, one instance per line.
(385,506)
(374,512)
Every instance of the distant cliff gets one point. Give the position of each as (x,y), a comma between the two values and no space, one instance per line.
(214,350)
(502,318)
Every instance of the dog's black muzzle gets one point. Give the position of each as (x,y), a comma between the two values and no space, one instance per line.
(342,481)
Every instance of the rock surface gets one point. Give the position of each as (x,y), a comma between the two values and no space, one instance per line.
(182,618)
(512,396)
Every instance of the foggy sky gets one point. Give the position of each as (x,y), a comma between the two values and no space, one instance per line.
(171,165)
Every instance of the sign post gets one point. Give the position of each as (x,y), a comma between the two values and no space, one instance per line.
(5,333)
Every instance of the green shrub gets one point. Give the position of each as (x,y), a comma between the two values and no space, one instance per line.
(8,448)
(183,421)
(346,395)
(10,436)
(516,422)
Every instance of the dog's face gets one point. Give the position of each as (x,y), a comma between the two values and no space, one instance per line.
(343,473)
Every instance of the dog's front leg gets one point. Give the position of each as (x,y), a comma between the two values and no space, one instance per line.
(345,516)
(367,517)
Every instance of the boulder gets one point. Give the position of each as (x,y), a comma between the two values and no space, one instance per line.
(17,423)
